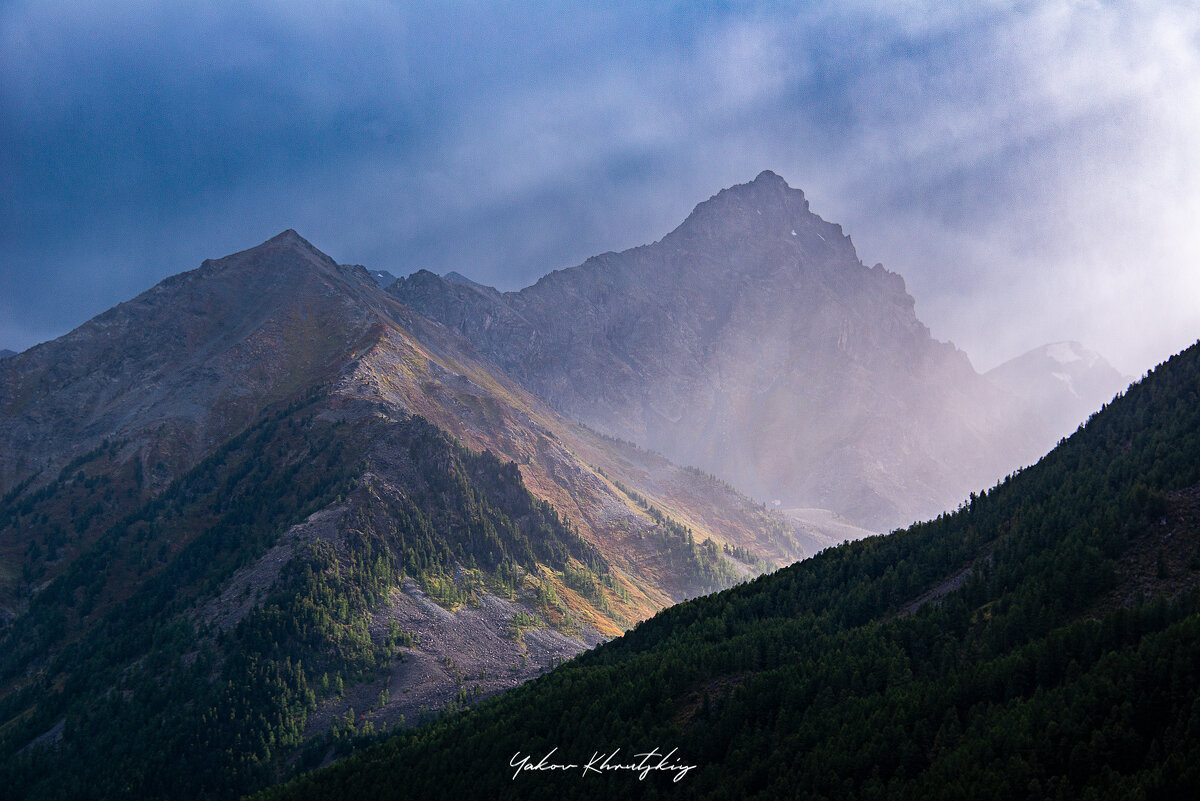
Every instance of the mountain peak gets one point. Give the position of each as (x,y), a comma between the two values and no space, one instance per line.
(459,278)
(283,251)
(766,207)
(768,177)
(768,188)
(289,235)
(290,238)
(382,277)
(768,191)
(731,343)
(1061,383)
(1069,352)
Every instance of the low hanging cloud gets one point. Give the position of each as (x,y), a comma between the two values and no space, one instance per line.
(1031,169)
(1044,190)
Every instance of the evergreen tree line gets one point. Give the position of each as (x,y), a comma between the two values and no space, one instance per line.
(152,697)
(1021,679)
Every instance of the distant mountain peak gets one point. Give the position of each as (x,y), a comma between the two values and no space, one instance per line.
(289,235)
(737,343)
(1070,352)
(459,278)
(383,278)
(425,276)
(768,187)
(1061,383)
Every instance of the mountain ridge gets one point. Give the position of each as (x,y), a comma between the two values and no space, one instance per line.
(235,327)
(1025,644)
(265,506)
(1061,383)
(265,484)
(247,330)
(721,345)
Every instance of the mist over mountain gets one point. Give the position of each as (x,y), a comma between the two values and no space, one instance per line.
(263,508)
(752,343)
(276,504)
(1060,384)
(181,368)
(1042,641)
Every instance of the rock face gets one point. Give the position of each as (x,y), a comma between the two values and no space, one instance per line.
(188,362)
(383,278)
(752,342)
(272,438)
(1060,384)
(174,373)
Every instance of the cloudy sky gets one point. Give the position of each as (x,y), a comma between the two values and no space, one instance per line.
(1031,169)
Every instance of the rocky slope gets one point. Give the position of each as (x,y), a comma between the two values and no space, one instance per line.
(179,369)
(752,343)
(383,278)
(1042,641)
(268,461)
(186,364)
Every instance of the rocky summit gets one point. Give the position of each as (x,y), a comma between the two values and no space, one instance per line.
(753,343)
(275,505)
(266,509)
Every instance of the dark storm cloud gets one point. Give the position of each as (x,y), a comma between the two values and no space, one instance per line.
(130,130)
(999,157)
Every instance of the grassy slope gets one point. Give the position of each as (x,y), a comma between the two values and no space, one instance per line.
(152,698)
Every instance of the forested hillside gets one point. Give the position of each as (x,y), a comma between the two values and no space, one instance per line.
(1041,642)
(150,678)
(262,511)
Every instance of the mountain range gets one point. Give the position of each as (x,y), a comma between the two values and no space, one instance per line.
(275,503)
(751,342)
(267,463)
(1043,641)
(182,368)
